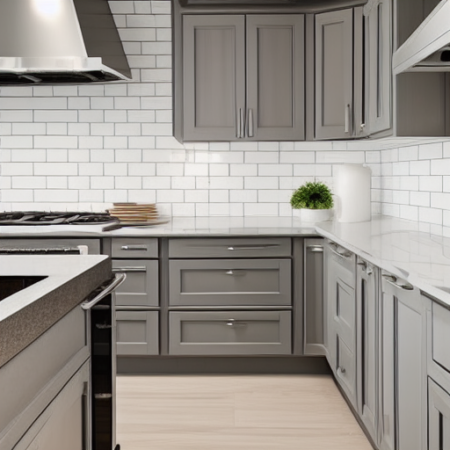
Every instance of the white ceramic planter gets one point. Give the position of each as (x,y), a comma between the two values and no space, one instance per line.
(313,215)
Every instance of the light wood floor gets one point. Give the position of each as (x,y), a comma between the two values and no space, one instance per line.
(242,412)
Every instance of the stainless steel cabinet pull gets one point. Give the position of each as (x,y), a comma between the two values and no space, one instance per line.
(135,247)
(118,280)
(103,396)
(315,248)
(391,279)
(235,272)
(235,323)
(362,264)
(130,269)
(347,119)
(252,247)
(342,370)
(250,122)
(240,124)
(336,249)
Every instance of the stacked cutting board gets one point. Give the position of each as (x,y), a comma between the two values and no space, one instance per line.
(135,214)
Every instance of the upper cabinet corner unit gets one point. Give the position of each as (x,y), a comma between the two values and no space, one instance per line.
(242,77)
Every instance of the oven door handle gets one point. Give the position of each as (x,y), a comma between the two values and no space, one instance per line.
(118,280)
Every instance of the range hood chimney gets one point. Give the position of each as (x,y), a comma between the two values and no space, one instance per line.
(59,42)
(428,48)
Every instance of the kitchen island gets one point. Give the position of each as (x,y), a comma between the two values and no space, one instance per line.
(45,353)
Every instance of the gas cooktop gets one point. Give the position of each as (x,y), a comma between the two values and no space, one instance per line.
(55,218)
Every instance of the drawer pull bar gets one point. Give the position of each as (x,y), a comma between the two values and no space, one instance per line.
(253,247)
(391,279)
(130,269)
(135,247)
(315,248)
(339,251)
(235,272)
(235,323)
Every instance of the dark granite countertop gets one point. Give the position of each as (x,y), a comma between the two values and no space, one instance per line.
(28,313)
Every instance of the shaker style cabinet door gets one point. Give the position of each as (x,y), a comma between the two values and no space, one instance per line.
(213,77)
(378,20)
(334,75)
(438,417)
(275,77)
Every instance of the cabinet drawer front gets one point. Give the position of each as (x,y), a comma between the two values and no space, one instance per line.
(234,282)
(441,336)
(140,288)
(137,333)
(229,248)
(230,333)
(134,248)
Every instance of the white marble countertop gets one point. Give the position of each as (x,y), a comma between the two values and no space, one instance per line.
(399,247)
(395,245)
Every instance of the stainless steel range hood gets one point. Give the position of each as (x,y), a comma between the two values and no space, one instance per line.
(428,48)
(59,42)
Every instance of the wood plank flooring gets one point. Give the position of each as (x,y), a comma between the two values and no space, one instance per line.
(239,412)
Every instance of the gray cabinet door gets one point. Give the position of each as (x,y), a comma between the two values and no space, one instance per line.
(334,75)
(314,313)
(367,345)
(378,20)
(137,333)
(438,417)
(140,288)
(213,77)
(230,333)
(403,367)
(275,77)
(233,282)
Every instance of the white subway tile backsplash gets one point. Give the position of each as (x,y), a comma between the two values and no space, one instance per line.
(91,145)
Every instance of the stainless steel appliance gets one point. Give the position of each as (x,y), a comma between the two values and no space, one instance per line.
(102,326)
(29,218)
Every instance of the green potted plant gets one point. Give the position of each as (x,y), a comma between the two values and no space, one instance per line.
(312,202)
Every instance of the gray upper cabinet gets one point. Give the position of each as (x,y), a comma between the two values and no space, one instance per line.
(243,77)
(214,77)
(338,99)
(378,34)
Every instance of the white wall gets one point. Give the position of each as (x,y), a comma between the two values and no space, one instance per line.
(84,147)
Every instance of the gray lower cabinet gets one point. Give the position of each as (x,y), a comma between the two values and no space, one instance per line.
(367,279)
(230,333)
(403,367)
(140,287)
(314,312)
(438,417)
(63,424)
(378,70)
(137,333)
(232,282)
(243,77)
(338,89)
(340,299)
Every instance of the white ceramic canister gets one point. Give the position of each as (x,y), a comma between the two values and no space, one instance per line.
(351,187)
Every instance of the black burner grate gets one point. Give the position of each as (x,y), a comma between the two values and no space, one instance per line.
(54,218)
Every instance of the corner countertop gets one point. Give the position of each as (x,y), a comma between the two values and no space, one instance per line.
(399,247)
(27,314)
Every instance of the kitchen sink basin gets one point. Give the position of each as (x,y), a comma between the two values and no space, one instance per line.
(9,285)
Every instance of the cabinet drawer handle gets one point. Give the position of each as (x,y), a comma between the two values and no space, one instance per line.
(130,269)
(103,326)
(252,247)
(315,248)
(235,323)
(235,272)
(103,396)
(391,279)
(342,370)
(339,251)
(240,124)
(134,247)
